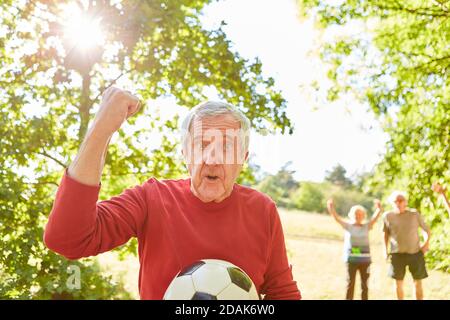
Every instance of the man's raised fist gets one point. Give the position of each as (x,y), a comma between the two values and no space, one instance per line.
(117,105)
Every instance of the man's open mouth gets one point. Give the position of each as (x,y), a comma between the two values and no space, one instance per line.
(212,178)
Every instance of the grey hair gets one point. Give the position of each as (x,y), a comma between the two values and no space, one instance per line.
(352,212)
(395,194)
(216,108)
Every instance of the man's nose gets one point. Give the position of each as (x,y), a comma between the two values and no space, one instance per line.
(213,155)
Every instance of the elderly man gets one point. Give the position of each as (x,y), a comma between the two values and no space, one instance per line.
(401,233)
(176,221)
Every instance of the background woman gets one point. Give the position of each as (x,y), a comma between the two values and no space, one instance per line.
(356,245)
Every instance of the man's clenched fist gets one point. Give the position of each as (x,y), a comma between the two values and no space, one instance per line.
(117,105)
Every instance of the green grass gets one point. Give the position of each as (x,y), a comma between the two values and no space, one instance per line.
(314,243)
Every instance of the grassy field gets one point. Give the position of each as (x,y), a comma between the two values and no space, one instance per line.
(314,243)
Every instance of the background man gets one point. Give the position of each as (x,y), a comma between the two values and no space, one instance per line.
(401,233)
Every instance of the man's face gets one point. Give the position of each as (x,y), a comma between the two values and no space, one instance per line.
(401,203)
(214,156)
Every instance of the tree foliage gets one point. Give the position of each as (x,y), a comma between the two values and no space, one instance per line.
(50,88)
(337,175)
(312,196)
(395,57)
(309,197)
(280,185)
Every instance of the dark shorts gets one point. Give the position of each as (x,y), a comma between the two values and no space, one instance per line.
(415,263)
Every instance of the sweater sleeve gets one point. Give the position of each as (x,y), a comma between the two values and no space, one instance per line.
(279,283)
(80,226)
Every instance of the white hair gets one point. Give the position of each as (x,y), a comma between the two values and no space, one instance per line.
(352,212)
(395,194)
(215,108)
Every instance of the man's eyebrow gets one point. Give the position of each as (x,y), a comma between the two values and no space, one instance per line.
(204,139)
(207,138)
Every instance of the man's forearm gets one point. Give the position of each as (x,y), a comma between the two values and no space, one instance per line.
(88,165)
(427,236)
(386,242)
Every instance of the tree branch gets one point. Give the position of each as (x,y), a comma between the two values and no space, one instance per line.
(426,11)
(106,87)
(442,4)
(423,65)
(45,182)
(45,154)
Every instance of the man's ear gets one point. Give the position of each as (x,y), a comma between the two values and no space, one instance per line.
(185,162)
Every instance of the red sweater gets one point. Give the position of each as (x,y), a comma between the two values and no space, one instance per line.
(174,228)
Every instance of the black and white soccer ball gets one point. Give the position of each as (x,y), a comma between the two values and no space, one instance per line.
(211,279)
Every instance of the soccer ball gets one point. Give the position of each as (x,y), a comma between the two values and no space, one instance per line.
(211,279)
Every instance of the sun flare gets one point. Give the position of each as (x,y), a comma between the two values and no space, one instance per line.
(81,30)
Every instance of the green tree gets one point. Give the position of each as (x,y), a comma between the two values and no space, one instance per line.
(280,186)
(397,63)
(337,176)
(250,174)
(270,187)
(286,180)
(344,199)
(309,197)
(50,88)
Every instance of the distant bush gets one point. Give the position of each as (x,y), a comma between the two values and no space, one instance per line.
(270,188)
(279,186)
(309,197)
(312,196)
(344,199)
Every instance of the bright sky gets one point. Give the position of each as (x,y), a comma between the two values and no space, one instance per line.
(345,132)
